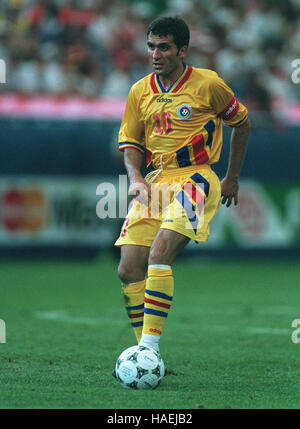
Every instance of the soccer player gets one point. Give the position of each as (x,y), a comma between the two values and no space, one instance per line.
(174,116)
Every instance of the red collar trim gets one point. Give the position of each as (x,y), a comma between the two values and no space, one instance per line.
(184,79)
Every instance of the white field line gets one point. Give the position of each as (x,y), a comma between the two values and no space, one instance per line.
(267,310)
(253,330)
(62,316)
(278,310)
(269,331)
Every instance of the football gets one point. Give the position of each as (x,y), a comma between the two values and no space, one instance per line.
(140,367)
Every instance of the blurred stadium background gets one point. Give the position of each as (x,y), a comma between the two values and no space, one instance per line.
(69,67)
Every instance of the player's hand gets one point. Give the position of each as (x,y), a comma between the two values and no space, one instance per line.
(229,190)
(140,190)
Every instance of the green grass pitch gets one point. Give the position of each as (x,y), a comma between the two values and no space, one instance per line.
(227,340)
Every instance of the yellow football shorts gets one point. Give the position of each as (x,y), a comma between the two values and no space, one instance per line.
(182,200)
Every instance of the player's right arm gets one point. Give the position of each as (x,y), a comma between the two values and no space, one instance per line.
(138,186)
(131,141)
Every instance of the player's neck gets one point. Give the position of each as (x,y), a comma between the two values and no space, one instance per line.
(167,81)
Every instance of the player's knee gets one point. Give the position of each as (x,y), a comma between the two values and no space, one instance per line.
(159,255)
(123,274)
(130,274)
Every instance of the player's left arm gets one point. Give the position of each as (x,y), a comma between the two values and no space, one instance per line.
(235,115)
(238,146)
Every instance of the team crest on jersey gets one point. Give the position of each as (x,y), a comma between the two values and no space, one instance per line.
(184,111)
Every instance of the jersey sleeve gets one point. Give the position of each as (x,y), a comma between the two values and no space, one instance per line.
(131,132)
(223,101)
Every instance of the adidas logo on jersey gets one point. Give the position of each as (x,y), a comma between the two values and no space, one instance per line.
(164,100)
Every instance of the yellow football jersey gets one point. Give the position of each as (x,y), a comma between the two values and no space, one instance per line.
(183,125)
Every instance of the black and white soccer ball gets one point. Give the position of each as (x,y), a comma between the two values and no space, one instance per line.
(140,367)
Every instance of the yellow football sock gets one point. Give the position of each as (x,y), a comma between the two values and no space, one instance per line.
(134,294)
(158,298)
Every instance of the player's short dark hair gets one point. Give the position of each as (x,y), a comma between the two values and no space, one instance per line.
(172,25)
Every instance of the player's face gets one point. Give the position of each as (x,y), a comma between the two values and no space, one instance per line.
(164,54)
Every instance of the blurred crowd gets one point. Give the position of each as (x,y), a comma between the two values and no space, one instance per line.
(97,48)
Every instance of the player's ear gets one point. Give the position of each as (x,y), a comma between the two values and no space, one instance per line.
(182,52)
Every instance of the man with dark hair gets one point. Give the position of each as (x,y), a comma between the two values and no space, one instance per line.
(175,26)
(174,115)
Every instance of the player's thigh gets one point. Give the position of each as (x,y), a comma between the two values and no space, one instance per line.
(133,263)
(139,228)
(194,206)
(166,245)
(212,202)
